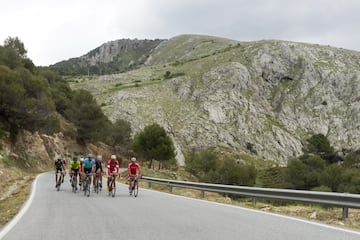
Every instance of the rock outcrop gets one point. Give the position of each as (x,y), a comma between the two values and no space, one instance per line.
(262,98)
(111,57)
(39,150)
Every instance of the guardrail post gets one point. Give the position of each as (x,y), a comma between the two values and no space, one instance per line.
(149,184)
(202,195)
(345,213)
(254,200)
(170,188)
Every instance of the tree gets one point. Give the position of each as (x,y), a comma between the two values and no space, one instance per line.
(233,173)
(16,44)
(352,159)
(295,174)
(201,163)
(320,145)
(331,177)
(350,181)
(304,173)
(154,143)
(120,133)
(91,123)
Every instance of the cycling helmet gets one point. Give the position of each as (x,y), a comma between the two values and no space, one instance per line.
(90,155)
(81,159)
(113,157)
(75,158)
(133,159)
(98,157)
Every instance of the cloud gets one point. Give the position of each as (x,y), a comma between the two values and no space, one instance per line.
(56,30)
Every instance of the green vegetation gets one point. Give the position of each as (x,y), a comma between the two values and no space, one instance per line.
(38,99)
(153,143)
(319,169)
(26,102)
(210,167)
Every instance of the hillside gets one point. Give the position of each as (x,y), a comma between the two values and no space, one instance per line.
(111,57)
(261,98)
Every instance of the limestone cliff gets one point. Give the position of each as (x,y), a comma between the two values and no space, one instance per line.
(262,98)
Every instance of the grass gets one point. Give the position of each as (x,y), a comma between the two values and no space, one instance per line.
(15,187)
(16,176)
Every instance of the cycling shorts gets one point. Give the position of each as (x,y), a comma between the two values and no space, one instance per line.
(87,170)
(75,171)
(59,170)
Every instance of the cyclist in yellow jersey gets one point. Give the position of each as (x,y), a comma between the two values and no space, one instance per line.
(74,168)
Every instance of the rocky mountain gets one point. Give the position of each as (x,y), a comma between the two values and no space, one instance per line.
(260,98)
(111,57)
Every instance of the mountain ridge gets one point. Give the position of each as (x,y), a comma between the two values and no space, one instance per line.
(110,57)
(262,98)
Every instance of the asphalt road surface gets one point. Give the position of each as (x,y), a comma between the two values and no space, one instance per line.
(152,215)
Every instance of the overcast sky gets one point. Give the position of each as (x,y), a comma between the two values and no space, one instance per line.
(55,30)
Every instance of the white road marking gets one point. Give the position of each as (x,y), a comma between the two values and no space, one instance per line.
(259,211)
(22,211)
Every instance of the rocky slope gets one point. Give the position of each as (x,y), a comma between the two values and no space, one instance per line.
(262,98)
(111,57)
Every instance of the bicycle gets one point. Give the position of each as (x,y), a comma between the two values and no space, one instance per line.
(112,185)
(74,182)
(60,180)
(97,185)
(87,183)
(134,185)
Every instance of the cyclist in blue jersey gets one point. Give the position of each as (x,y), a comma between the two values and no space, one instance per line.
(89,165)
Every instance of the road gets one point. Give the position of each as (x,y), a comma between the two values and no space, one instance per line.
(152,215)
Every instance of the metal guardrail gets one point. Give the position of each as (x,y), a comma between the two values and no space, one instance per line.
(344,200)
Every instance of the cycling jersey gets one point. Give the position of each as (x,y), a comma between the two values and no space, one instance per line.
(74,165)
(112,166)
(59,165)
(88,163)
(98,165)
(133,168)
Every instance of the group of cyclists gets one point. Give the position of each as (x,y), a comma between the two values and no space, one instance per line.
(95,167)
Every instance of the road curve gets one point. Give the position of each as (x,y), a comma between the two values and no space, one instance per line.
(153,215)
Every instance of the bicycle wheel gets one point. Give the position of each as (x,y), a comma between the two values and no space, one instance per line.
(59,183)
(113,190)
(131,188)
(85,186)
(97,185)
(87,191)
(136,188)
(74,183)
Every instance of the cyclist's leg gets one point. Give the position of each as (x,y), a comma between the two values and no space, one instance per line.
(101,177)
(81,176)
(56,177)
(77,175)
(129,183)
(71,173)
(94,178)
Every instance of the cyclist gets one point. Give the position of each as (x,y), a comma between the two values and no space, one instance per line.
(99,169)
(112,169)
(134,171)
(74,168)
(89,165)
(59,167)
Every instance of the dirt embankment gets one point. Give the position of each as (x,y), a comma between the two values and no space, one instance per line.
(33,153)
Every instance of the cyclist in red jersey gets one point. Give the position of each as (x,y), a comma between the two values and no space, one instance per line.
(112,168)
(134,170)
